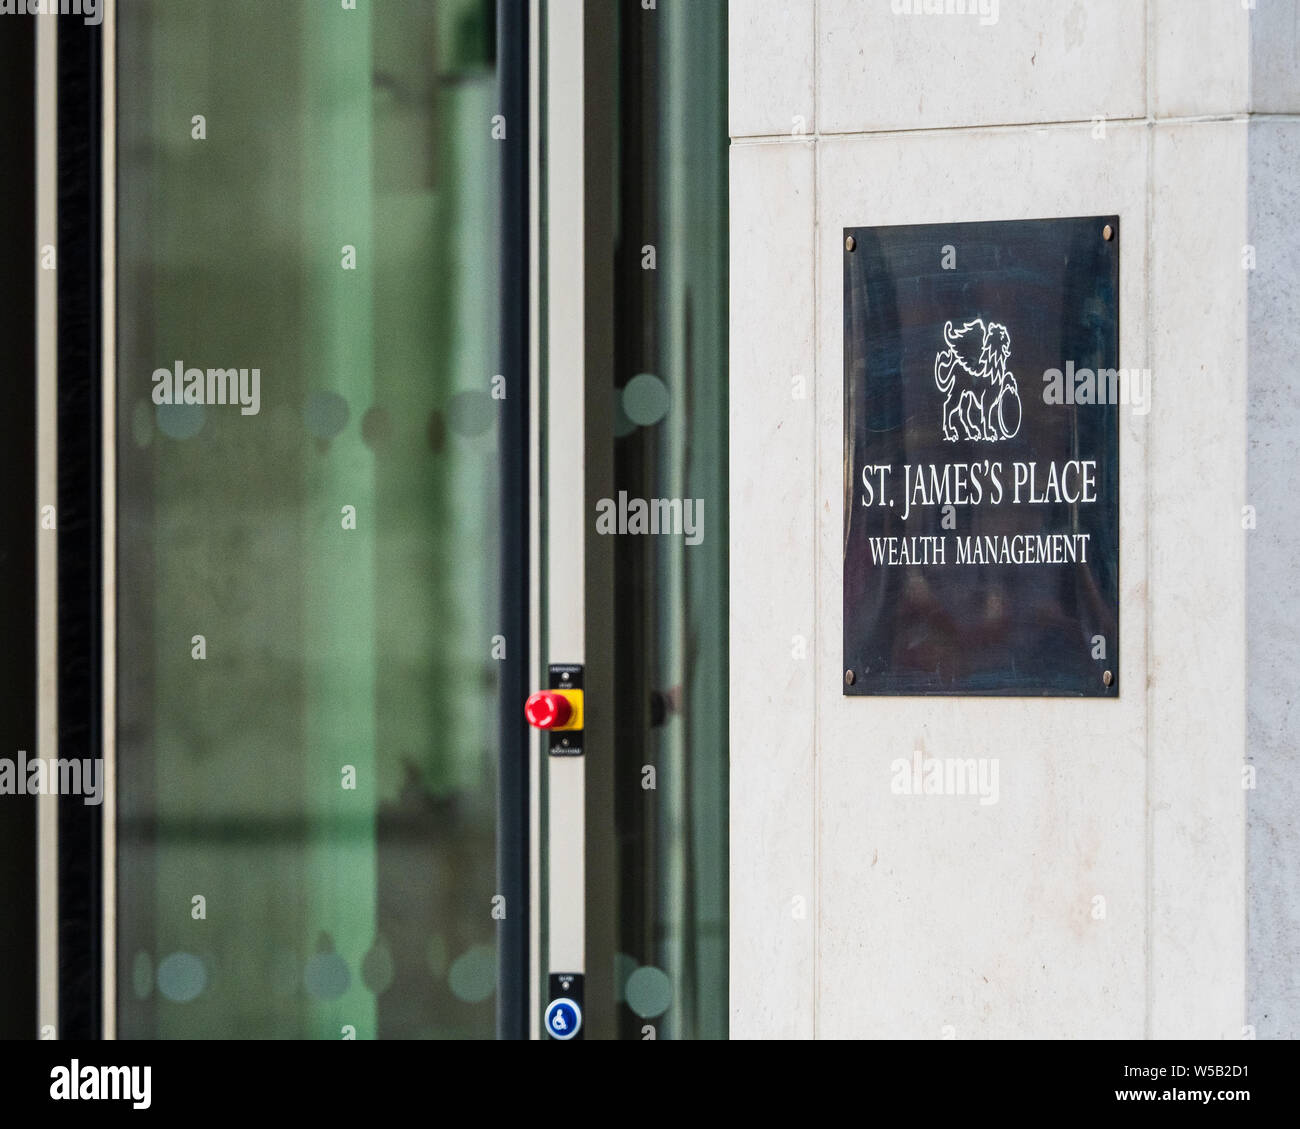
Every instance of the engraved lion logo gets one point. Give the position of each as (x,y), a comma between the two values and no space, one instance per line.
(978,390)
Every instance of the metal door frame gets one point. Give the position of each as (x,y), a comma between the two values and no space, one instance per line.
(576,232)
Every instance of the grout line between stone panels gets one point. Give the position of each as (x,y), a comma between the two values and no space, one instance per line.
(1148,994)
(816,517)
(1247,970)
(816,580)
(816,67)
(818,134)
(1248,978)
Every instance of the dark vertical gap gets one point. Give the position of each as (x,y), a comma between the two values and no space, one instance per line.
(540,412)
(512,773)
(604,873)
(20,507)
(636,456)
(80,626)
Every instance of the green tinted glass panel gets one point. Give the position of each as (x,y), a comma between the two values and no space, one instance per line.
(308,582)
(670,447)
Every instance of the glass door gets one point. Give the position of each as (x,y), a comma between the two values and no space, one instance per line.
(670,580)
(321,632)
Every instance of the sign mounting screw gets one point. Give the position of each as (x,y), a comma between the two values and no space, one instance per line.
(1108,233)
(849,678)
(1108,678)
(850,244)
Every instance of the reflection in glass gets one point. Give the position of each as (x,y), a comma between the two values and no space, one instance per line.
(671,592)
(307,595)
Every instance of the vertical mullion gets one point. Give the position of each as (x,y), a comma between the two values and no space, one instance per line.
(513,582)
(81,691)
(20,243)
(536,461)
(581,857)
(564,490)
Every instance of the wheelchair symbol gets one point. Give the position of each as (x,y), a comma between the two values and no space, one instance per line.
(563,1019)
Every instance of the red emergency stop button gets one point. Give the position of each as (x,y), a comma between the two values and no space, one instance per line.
(548,710)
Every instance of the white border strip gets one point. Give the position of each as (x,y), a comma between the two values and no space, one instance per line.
(565,472)
(47,540)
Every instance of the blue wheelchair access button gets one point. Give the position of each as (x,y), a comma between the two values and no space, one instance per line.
(563,1019)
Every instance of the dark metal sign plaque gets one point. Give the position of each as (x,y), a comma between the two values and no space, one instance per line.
(982,394)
